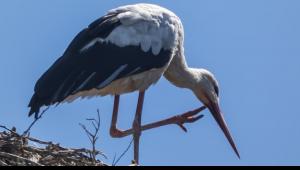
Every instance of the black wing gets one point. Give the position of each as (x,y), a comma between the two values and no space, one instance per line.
(78,70)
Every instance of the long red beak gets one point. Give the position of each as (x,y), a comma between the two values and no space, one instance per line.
(217,114)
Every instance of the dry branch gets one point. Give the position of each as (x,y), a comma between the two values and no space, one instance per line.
(93,136)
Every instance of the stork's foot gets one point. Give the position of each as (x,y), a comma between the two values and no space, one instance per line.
(180,120)
(188,117)
(116,133)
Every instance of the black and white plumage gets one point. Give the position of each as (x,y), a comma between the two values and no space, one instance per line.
(119,45)
(127,50)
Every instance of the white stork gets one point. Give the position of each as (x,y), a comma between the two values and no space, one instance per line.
(129,49)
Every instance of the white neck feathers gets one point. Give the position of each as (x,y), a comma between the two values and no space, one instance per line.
(179,73)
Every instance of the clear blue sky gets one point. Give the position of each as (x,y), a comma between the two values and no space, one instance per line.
(252,46)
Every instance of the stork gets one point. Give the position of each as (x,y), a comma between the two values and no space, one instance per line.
(127,50)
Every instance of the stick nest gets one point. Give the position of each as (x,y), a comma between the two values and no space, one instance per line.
(17,150)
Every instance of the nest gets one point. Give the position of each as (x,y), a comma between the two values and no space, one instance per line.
(17,150)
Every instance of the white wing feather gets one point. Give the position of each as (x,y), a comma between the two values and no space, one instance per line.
(148,26)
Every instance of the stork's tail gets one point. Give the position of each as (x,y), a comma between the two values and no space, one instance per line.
(34,106)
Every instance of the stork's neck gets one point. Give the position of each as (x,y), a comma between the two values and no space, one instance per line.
(179,73)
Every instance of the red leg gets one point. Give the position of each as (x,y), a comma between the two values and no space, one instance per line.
(114,132)
(137,126)
(180,120)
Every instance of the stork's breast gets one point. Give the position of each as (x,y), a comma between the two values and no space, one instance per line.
(130,84)
(139,82)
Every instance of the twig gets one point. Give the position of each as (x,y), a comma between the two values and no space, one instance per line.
(26,137)
(122,155)
(89,151)
(13,131)
(114,160)
(38,141)
(4,127)
(34,122)
(93,137)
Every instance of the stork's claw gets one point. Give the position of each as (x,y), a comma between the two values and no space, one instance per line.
(189,117)
(183,127)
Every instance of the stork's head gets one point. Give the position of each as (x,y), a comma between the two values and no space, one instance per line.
(207,91)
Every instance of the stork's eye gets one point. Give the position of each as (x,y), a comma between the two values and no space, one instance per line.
(216,88)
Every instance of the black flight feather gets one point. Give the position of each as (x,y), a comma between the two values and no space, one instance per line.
(78,70)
